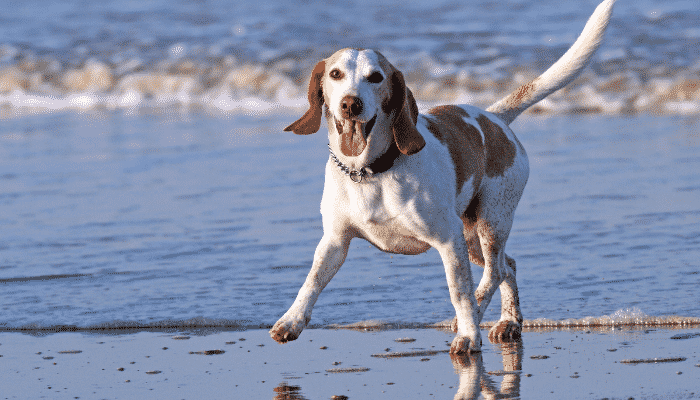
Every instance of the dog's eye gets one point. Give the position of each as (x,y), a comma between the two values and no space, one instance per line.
(375,77)
(336,74)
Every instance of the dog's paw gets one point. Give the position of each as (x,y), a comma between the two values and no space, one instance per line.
(505,331)
(286,330)
(464,345)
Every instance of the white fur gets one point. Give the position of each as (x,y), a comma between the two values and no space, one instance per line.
(357,65)
(416,204)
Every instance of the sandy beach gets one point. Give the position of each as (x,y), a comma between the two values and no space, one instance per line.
(656,363)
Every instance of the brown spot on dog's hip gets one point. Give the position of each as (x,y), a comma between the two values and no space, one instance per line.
(500,150)
(462,139)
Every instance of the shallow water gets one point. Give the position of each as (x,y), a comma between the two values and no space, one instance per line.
(168,218)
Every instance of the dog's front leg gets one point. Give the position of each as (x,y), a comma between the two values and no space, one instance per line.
(330,255)
(461,285)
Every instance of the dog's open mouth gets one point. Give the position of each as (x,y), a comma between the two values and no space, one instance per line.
(352,127)
(353,135)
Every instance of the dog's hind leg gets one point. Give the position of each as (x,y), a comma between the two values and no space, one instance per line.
(494,222)
(494,272)
(499,272)
(510,325)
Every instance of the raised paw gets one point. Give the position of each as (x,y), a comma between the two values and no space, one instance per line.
(505,331)
(286,330)
(464,345)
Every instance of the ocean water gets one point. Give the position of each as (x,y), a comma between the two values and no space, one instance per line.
(145,179)
(173,219)
(250,57)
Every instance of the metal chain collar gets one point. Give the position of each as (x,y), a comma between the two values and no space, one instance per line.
(355,175)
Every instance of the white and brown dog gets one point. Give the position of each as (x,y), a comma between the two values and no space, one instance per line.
(450,179)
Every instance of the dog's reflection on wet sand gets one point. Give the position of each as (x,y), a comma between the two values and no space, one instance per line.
(473,378)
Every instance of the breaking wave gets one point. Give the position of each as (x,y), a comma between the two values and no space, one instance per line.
(226,84)
(627,317)
(255,58)
(624,318)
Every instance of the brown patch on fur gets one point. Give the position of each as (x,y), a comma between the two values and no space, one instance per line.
(412,106)
(500,151)
(310,122)
(474,245)
(521,95)
(462,140)
(472,212)
(469,219)
(403,105)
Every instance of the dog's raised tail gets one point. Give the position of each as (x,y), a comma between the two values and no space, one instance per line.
(565,70)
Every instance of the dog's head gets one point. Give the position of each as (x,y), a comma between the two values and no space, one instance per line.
(364,95)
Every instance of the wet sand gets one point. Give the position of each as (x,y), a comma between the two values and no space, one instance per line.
(656,363)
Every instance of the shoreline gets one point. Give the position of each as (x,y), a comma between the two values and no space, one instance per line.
(624,319)
(405,363)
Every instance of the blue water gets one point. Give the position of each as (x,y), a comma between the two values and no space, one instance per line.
(75,30)
(171,218)
(145,178)
(219,54)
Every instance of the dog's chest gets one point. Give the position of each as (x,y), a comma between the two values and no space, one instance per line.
(392,236)
(381,214)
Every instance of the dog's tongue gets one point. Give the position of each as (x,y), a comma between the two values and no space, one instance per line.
(352,139)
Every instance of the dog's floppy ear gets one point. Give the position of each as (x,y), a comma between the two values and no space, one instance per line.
(310,122)
(403,105)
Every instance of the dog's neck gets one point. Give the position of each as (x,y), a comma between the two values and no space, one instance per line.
(381,164)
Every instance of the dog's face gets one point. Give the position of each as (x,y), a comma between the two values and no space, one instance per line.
(353,89)
(364,95)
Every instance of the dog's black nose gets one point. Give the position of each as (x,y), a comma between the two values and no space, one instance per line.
(351,106)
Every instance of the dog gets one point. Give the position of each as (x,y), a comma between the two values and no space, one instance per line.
(404,181)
